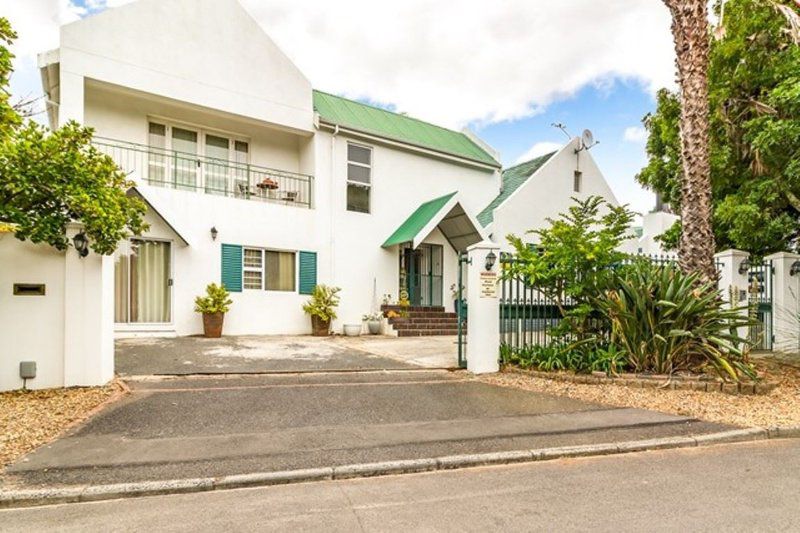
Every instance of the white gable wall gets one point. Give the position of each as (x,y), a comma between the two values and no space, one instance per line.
(548,193)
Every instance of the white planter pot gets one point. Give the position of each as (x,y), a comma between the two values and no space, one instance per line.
(352,330)
(374,327)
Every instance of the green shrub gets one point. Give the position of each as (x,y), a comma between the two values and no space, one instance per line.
(216,300)
(323,303)
(666,321)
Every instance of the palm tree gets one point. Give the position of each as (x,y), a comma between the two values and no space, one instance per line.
(690,31)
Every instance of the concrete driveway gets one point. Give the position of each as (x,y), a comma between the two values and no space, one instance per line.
(189,427)
(264,354)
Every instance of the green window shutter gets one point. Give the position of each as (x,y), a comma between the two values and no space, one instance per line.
(232,267)
(308,272)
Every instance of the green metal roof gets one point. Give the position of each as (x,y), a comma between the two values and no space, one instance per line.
(417,221)
(374,120)
(512,178)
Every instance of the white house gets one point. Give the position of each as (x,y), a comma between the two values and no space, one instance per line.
(254,179)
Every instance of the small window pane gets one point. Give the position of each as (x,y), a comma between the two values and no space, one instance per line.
(576,185)
(252,258)
(241,146)
(357,173)
(280,271)
(357,198)
(252,279)
(158,135)
(359,154)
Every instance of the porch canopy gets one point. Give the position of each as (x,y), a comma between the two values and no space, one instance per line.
(459,227)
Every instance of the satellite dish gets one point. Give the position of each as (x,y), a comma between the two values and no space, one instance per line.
(587,140)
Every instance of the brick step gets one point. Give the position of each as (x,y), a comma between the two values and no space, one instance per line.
(415,308)
(415,320)
(426,332)
(399,327)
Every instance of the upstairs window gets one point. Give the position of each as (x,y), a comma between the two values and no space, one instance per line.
(577,181)
(359,178)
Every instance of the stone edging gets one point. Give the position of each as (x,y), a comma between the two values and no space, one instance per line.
(652,381)
(33,498)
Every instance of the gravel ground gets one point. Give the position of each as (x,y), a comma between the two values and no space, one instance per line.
(29,419)
(779,408)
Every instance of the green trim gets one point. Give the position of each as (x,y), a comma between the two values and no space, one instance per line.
(394,126)
(307,272)
(417,221)
(231,277)
(513,178)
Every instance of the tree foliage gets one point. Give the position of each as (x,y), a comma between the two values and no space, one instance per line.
(754,99)
(573,257)
(49,178)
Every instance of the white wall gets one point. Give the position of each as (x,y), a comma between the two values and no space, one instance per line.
(31,327)
(548,193)
(209,53)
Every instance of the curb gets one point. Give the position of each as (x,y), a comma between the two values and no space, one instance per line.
(39,497)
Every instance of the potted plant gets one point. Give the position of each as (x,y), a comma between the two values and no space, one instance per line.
(374,322)
(322,309)
(213,307)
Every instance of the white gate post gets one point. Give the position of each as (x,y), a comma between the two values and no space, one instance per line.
(483,308)
(785,308)
(88,316)
(733,280)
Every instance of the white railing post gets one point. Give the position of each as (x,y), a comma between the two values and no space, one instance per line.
(785,308)
(483,308)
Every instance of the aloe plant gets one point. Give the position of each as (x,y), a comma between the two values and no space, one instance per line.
(666,321)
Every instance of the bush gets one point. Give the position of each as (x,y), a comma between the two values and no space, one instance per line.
(665,321)
(323,303)
(608,359)
(216,300)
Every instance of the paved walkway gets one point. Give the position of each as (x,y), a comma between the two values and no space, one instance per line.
(259,354)
(743,487)
(201,427)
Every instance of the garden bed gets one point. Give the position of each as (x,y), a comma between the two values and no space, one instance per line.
(779,408)
(29,419)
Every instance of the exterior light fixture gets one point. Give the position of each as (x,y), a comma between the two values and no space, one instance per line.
(794,269)
(490,260)
(214,233)
(744,266)
(81,243)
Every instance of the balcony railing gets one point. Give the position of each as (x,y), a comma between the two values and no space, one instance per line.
(192,172)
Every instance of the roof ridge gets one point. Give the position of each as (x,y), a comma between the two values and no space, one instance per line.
(549,154)
(394,113)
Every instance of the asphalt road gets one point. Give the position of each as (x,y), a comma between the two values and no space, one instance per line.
(739,487)
(208,427)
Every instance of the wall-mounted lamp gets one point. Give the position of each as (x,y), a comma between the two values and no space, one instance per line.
(744,266)
(794,269)
(214,233)
(490,260)
(81,243)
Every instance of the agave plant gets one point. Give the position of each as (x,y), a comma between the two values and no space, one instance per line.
(666,321)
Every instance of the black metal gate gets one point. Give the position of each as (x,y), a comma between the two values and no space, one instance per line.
(760,280)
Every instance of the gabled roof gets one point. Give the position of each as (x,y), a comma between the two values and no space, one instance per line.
(394,126)
(513,178)
(446,213)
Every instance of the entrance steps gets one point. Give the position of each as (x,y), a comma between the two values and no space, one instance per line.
(416,321)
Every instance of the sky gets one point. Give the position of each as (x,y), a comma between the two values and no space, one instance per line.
(506,69)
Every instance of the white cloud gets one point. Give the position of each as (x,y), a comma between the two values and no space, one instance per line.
(538,149)
(635,134)
(450,63)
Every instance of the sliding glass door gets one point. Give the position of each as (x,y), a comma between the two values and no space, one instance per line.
(143,282)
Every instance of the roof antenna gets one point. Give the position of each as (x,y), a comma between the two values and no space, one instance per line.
(563,129)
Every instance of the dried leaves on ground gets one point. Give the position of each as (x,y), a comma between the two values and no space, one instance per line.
(779,408)
(31,418)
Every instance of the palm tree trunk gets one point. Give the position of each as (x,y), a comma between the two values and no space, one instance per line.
(691,35)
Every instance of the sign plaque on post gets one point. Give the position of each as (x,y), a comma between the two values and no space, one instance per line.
(488,284)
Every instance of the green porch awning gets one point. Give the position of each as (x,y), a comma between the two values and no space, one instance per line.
(446,212)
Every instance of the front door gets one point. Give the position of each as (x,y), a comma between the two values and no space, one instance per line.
(143,282)
(422,274)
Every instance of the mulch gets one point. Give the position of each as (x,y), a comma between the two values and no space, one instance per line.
(779,408)
(31,418)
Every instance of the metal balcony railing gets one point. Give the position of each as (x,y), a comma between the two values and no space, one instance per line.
(192,172)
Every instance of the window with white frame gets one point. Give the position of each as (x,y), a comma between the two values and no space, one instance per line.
(270,270)
(359,177)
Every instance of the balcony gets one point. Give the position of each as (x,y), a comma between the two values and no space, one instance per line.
(192,172)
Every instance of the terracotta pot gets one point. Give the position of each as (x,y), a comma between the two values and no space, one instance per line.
(319,327)
(212,324)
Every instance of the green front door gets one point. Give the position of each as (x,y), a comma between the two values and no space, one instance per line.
(422,274)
